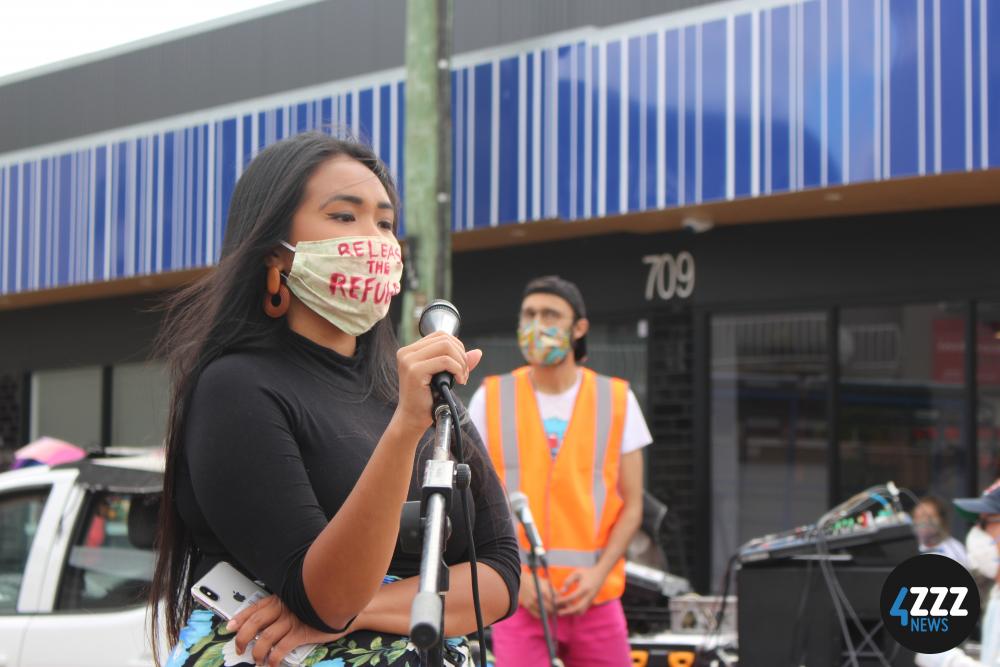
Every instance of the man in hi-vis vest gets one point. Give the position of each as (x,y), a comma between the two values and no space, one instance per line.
(570,440)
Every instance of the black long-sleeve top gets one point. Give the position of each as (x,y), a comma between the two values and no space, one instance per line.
(275,438)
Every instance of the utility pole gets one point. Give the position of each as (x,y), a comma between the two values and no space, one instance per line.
(427,174)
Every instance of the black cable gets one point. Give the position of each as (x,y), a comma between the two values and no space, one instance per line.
(555,612)
(799,638)
(449,398)
(676,527)
(720,615)
(841,616)
(725,595)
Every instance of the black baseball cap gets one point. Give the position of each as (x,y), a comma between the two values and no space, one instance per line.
(570,293)
(988,503)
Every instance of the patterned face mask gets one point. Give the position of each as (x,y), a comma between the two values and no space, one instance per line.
(349,281)
(543,346)
(928,532)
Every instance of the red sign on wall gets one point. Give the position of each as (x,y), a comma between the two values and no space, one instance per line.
(949,352)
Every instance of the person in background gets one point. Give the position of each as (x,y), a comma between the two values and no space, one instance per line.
(983,548)
(930,519)
(571,441)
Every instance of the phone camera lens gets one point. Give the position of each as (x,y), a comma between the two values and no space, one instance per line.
(209,593)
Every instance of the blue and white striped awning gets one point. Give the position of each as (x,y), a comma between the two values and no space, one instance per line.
(726,101)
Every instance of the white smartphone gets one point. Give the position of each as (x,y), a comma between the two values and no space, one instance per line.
(226,591)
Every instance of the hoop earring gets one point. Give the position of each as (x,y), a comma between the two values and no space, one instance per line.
(277,299)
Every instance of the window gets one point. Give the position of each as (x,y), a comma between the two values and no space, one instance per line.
(902,398)
(67,404)
(768,426)
(111,561)
(19,517)
(139,401)
(901,410)
(70,404)
(988,394)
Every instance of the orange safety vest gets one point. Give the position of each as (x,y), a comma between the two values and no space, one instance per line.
(574,497)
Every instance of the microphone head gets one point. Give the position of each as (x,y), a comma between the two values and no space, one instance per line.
(518,501)
(439,315)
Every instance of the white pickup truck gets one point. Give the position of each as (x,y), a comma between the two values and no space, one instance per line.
(76,561)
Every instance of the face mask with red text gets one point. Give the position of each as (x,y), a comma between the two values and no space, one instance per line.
(349,281)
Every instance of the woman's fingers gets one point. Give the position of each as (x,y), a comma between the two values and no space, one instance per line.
(434,340)
(264,614)
(473,357)
(430,367)
(237,621)
(433,346)
(443,344)
(280,650)
(266,639)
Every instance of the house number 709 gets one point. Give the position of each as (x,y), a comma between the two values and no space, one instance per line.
(669,276)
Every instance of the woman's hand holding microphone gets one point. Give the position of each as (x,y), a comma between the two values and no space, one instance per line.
(417,364)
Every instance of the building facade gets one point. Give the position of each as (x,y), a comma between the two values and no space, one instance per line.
(781,215)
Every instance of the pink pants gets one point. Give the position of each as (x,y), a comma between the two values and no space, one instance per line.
(596,638)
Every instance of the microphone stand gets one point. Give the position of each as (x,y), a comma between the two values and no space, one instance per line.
(441,477)
(536,558)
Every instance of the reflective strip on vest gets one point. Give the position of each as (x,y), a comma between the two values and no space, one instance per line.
(566,557)
(602,434)
(508,425)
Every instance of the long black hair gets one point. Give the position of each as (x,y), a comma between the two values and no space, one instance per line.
(224,311)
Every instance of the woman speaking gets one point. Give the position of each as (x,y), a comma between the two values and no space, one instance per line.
(298,428)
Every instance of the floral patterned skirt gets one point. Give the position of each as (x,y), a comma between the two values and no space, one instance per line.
(205,642)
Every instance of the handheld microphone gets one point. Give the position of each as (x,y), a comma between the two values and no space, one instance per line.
(519,505)
(440,315)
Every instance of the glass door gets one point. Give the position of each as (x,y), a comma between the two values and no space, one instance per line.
(768,426)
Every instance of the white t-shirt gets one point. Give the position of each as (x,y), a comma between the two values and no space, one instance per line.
(951,548)
(556,411)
